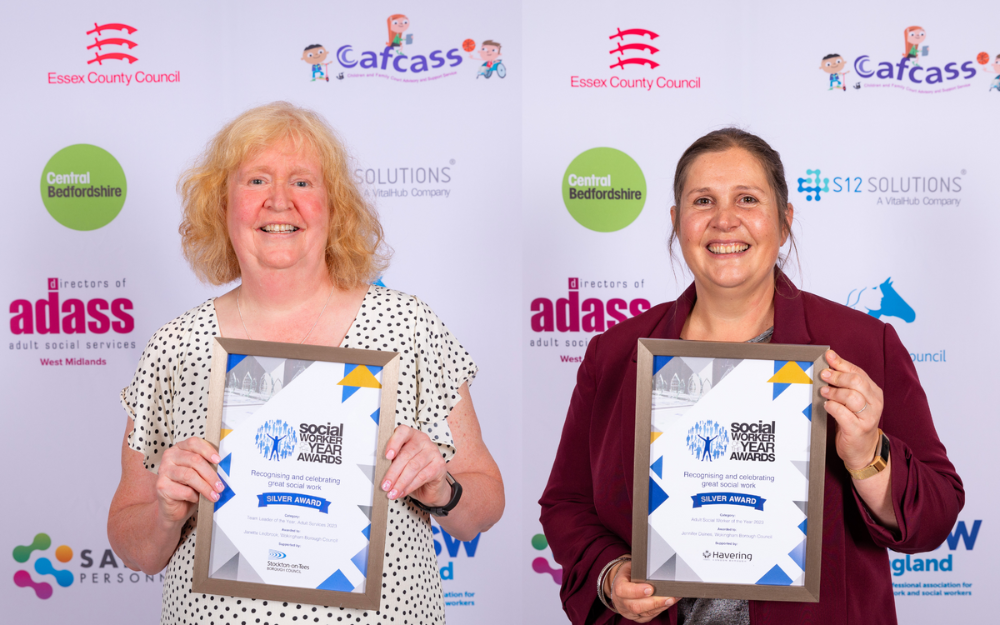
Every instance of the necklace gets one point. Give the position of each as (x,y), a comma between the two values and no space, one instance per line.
(760,338)
(307,333)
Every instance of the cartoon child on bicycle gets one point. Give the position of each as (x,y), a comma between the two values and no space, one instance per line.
(489,53)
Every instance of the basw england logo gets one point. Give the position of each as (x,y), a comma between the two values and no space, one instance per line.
(276,440)
(707,441)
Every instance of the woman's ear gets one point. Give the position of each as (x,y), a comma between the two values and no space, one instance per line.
(789,216)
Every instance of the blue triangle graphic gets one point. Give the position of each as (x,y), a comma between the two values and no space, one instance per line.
(226,494)
(778,364)
(804,525)
(656,496)
(234,359)
(657,467)
(808,412)
(798,555)
(348,368)
(659,362)
(367,531)
(337,581)
(779,388)
(775,577)
(805,364)
(375,415)
(348,391)
(225,462)
(374,369)
(360,560)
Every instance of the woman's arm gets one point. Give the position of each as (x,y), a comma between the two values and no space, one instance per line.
(149,510)
(418,470)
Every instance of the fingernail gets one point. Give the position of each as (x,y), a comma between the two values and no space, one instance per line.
(390,454)
(215,497)
(386,484)
(216,459)
(648,591)
(834,354)
(826,374)
(219,486)
(392,494)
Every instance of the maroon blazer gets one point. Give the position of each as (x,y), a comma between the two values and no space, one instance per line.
(587,505)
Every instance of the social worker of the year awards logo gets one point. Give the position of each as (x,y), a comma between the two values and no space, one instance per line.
(636,62)
(392,52)
(109,50)
(927,189)
(910,60)
(36,572)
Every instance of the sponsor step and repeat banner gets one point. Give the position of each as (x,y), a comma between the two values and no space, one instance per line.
(521,158)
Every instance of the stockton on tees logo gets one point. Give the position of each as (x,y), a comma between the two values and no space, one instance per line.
(604,189)
(276,440)
(634,47)
(707,441)
(83,187)
(812,185)
(112,43)
(42,566)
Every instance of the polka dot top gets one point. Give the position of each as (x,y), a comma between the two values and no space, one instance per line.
(168,401)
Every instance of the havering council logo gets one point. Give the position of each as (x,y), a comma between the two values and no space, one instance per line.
(276,440)
(707,441)
(43,566)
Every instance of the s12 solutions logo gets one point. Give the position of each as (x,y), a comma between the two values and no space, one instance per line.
(112,45)
(892,190)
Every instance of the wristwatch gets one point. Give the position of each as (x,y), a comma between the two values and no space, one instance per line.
(878,464)
(456,494)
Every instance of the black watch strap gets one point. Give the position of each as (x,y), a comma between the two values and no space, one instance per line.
(456,494)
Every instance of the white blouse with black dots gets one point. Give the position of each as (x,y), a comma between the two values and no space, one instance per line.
(168,401)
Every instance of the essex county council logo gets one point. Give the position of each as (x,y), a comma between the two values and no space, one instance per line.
(43,566)
(276,440)
(707,441)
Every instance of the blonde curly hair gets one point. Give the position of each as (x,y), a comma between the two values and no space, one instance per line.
(356,253)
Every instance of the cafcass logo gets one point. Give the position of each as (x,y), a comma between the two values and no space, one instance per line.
(604,189)
(83,187)
(633,65)
(110,49)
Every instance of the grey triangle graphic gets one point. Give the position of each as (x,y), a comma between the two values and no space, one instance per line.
(227,570)
(367,510)
(223,551)
(653,428)
(667,572)
(360,587)
(368,470)
(799,581)
(659,550)
(802,466)
(685,573)
(247,574)
(803,505)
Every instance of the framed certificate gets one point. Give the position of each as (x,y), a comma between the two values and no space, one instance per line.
(730,454)
(301,432)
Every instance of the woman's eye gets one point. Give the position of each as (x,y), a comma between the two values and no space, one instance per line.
(747,199)
(702,201)
(256,181)
(301,183)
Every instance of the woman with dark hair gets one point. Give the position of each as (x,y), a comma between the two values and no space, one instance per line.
(889,483)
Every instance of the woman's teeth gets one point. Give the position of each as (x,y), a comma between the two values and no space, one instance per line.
(279,228)
(729,248)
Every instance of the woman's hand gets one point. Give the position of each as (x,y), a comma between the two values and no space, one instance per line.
(635,601)
(185,472)
(417,468)
(856,403)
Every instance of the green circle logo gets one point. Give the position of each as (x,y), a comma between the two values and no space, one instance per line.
(604,189)
(83,187)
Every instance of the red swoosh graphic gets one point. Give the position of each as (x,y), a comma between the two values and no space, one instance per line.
(115,26)
(123,42)
(118,56)
(635,46)
(623,62)
(634,31)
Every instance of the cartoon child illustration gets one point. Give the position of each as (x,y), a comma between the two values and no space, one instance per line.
(489,52)
(315,55)
(398,24)
(994,67)
(914,36)
(833,64)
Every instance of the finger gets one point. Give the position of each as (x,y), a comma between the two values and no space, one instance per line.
(201,447)
(853,400)
(403,457)
(845,379)
(192,479)
(397,440)
(645,606)
(198,464)
(626,590)
(175,491)
(414,477)
(848,422)
(840,364)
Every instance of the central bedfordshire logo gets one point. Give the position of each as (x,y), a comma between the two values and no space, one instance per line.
(707,441)
(83,187)
(276,440)
(604,189)
(110,48)
(43,566)
(633,64)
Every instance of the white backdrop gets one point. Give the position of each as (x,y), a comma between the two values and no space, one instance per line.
(495,235)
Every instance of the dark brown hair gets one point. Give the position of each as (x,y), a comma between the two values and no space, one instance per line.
(726,139)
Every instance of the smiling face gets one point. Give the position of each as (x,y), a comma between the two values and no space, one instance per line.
(399,25)
(314,56)
(729,231)
(915,37)
(278,211)
(489,53)
(832,65)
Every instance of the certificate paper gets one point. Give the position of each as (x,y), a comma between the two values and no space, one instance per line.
(299,442)
(730,452)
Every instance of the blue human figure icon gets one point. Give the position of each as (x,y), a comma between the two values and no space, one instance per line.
(708,446)
(274,449)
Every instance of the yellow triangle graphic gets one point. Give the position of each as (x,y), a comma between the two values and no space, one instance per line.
(360,377)
(791,373)
(653,436)
(225,433)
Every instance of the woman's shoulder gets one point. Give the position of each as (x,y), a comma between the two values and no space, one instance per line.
(178,331)
(622,336)
(383,299)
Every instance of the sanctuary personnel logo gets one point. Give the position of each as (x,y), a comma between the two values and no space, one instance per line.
(604,189)
(83,187)
(276,440)
(707,441)
(43,566)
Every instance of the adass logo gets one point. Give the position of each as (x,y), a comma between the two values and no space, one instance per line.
(109,46)
(633,61)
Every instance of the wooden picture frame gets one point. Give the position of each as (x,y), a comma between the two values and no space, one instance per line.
(679,409)
(370,368)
